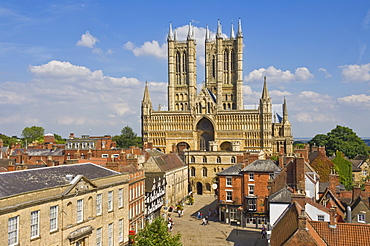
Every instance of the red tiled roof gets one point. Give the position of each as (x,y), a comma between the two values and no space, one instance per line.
(345,234)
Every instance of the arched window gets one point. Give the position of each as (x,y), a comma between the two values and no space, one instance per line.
(204,172)
(233,160)
(184,62)
(226,61)
(192,171)
(178,62)
(213,67)
(232,60)
(204,159)
(192,159)
(218,159)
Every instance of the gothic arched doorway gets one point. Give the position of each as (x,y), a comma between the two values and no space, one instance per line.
(206,133)
(199,188)
(225,146)
(181,146)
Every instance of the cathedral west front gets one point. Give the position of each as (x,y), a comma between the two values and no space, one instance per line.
(211,125)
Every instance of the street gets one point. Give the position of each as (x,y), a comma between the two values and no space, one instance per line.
(215,233)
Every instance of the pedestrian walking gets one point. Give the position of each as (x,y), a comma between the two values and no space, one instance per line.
(263,231)
(204,221)
(198,215)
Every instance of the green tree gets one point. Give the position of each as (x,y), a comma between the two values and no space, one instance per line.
(8,141)
(343,139)
(33,133)
(59,139)
(319,140)
(127,138)
(344,169)
(157,234)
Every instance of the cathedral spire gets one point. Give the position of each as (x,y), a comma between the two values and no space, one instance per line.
(240,32)
(265,91)
(146,97)
(170,34)
(190,32)
(285,111)
(207,34)
(219,29)
(232,33)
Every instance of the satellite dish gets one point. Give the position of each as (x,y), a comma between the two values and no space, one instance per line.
(214,186)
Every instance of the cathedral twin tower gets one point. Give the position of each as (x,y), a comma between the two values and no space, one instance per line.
(213,119)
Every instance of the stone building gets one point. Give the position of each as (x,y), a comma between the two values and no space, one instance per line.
(81,204)
(211,128)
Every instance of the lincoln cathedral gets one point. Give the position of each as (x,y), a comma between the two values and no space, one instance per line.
(212,125)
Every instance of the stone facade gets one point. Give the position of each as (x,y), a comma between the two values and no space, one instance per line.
(215,118)
(59,209)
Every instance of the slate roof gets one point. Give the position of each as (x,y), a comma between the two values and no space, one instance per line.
(234,170)
(283,195)
(17,182)
(262,166)
(345,234)
(168,162)
(40,152)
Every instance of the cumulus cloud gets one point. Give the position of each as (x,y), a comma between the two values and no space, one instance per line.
(355,100)
(87,40)
(153,48)
(356,73)
(311,117)
(327,75)
(277,75)
(148,49)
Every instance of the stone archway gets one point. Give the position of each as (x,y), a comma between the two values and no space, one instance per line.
(226,146)
(181,146)
(199,188)
(205,131)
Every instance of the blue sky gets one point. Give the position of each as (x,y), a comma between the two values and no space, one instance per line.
(81,66)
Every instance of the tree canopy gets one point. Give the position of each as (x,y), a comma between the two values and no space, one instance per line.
(8,141)
(344,169)
(33,133)
(157,234)
(127,138)
(342,139)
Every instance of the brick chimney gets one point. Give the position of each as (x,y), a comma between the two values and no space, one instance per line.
(300,173)
(302,153)
(299,198)
(333,217)
(302,220)
(322,151)
(333,181)
(11,166)
(356,192)
(71,135)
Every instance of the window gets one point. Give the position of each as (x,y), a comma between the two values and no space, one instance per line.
(251,176)
(228,181)
(13,230)
(110,234)
(361,218)
(120,198)
(364,172)
(204,159)
(204,172)
(110,200)
(99,237)
(251,204)
(320,217)
(233,160)
(80,210)
(120,230)
(251,190)
(53,218)
(98,204)
(35,223)
(229,196)
(104,156)
(192,171)
(218,160)
(192,159)
(115,155)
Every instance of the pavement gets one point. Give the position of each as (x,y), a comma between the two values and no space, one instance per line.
(215,233)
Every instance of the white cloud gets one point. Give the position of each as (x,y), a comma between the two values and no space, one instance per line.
(276,75)
(355,100)
(87,40)
(313,117)
(327,75)
(279,93)
(148,49)
(356,72)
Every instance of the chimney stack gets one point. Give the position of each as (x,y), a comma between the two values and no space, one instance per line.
(333,217)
